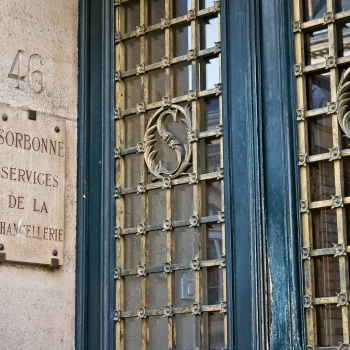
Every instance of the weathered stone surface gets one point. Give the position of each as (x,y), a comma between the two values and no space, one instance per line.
(46,32)
(38,304)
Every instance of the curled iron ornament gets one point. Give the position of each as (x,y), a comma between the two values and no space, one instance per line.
(183,152)
(343,103)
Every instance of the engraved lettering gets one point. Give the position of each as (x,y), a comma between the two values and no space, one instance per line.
(19,138)
(16,202)
(2,228)
(4,172)
(1,137)
(17,65)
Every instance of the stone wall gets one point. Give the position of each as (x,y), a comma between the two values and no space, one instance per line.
(38,71)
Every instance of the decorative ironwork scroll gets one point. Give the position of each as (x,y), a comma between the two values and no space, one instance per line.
(183,152)
(343,102)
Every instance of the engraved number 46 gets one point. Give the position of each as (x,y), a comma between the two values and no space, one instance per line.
(35,77)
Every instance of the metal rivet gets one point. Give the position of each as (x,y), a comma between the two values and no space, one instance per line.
(57,129)
(2,247)
(54,252)
(4,117)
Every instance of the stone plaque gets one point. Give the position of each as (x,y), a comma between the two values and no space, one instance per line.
(32,186)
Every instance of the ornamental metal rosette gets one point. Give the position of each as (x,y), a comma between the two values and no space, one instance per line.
(343,102)
(157,123)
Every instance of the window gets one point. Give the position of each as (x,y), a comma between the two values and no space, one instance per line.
(170,248)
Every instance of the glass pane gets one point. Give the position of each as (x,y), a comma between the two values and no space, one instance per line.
(187,331)
(183,202)
(327,276)
(316,45)
(214,243)
(318,91)
(216,330)
(157,206)
(158,296)
(158,332)
(183,82)
(133,291)
(132,169)
(320,134)
(324,228)
(133,92)
(182,39)
(322,180)
(132,205)
(212,76)
(342,5)
(157,248)
(132,15)
(131,59)
(180,7)
(156,81)
(156,11)
(212,159)
(213,197)
(132,130)
(346,174)
(132,251)
(212,113)
(203,4)
(156,46)
(315,9)
(343,31)
(329,325)
(132,334)
(214,285)
(209,32)
(186,244)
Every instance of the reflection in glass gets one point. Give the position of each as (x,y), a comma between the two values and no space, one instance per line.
(329,325)
(327,276)
(212,161)
(214,285)
(156,47)
(132,169)
(318,91)
(321,180)
(343,31)
(132,15)
(209,32)
(132,206)
(346,176)
(132,251)
(180,7)
(183,202)
(342,5)
(156,11)
(212,113)
(156,81)
(203,4)
(183,82)
(316,46)
(213,197)
(212,75)
(156,206)
(186,244)
(132,334)
(214,241)
(314,9)
(182,39)
(158,332)
(133,91)
(187,331)
(320,134)
(216,330)
(132,47)
(132,285)
(324,228)
(158,296)
(156,248)
(132,130)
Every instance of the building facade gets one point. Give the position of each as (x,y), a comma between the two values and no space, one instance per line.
(174,174)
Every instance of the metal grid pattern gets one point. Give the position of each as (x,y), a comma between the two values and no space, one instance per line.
(133,183)
(321,55)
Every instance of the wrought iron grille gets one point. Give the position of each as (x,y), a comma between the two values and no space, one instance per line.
(322,54)
(169,229)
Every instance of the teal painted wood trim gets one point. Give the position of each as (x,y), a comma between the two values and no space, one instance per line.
(95,241)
